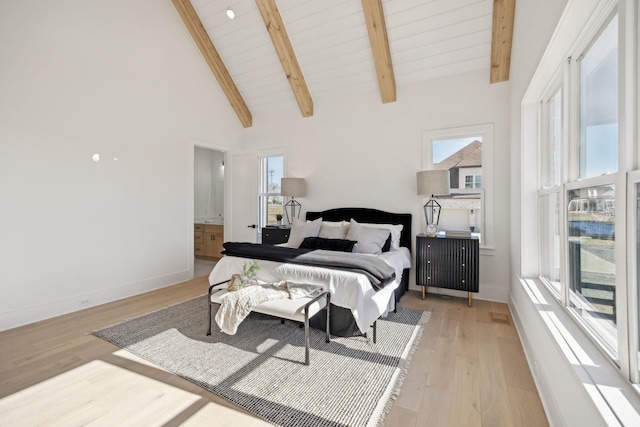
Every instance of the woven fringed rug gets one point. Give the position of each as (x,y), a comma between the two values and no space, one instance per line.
(350,381)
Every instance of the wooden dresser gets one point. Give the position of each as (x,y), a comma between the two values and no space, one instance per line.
(207,240)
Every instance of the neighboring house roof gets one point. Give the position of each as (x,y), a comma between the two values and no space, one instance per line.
(469,156)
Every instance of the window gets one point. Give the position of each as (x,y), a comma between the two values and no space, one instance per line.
(590,200)
(466,153)
(552,168)
(592,267)
(473,181)
(577,221)
(580,160)
(550,241)
(549,198)
(270,201)
(599,105)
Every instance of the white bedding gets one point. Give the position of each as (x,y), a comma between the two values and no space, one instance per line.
(348,289)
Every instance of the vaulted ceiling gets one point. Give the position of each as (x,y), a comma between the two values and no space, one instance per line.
(295,51)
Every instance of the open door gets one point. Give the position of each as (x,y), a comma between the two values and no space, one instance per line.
(243,212)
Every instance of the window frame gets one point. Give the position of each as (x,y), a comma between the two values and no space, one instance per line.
(487,199)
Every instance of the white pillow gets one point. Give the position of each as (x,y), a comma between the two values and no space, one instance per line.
(301,229)
(394,229)
(370,240)
(333,230)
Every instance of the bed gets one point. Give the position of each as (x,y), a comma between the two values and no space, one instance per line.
(356,300)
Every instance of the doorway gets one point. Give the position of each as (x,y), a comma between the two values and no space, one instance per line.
(208,208)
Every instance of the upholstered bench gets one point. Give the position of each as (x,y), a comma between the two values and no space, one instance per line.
(298,309)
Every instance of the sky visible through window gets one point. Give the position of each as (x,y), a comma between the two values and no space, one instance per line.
(275,168)
(443,148)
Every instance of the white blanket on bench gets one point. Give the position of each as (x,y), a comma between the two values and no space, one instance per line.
(237,305)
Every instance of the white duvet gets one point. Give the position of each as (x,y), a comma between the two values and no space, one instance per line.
(348,289)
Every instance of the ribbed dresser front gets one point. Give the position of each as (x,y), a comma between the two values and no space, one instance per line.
(447,263)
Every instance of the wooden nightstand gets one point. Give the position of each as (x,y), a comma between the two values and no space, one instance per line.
(448,263)
(275,235)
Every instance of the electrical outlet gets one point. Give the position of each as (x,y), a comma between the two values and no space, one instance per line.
(84,302)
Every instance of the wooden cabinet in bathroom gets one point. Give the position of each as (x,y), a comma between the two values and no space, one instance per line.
(207,240)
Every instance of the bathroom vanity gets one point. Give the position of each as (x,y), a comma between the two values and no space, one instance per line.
(207,240)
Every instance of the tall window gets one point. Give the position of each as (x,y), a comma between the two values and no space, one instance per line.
(270,202)
(591,201)
(578,206)
(467,153)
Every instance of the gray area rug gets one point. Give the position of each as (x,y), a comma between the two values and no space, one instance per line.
(350,381)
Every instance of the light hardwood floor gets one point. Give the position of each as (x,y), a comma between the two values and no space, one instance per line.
(469,370)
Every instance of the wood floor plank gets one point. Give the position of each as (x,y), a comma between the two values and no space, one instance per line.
(435,409)
(515,366)
(526,408)
(493,387)
(465,408)
(468,368)
(414,385)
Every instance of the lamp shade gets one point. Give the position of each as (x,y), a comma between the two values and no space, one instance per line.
(293,187)
(433,183)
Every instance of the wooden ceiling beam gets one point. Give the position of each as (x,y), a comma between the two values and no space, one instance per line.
(282,44)
(374,15)
(211,56)
(501,38)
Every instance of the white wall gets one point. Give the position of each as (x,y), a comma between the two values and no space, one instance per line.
(356,151)
(121,78)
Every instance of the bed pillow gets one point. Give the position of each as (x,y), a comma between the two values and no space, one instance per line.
(387,244)
(395,230)
(341,245)
(334,230)
(301,229)
(370,240)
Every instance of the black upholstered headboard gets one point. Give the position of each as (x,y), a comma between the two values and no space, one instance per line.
(369,215)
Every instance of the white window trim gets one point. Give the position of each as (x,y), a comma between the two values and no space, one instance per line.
(486,131)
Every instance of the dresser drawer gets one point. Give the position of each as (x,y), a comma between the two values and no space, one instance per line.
(275,236)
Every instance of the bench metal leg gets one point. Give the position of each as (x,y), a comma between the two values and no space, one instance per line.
(209,328)
(328,338)
(306,337)
(375,331)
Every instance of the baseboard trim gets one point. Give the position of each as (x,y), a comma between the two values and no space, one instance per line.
(49,309)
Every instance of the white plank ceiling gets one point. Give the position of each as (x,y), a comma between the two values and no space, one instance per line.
(427,39)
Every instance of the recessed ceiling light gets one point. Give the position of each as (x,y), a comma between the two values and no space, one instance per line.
(230,13)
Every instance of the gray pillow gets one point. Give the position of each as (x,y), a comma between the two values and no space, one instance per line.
(370,240)
(301,229)
(333,230)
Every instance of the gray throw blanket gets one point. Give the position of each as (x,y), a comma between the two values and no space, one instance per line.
(377,271)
